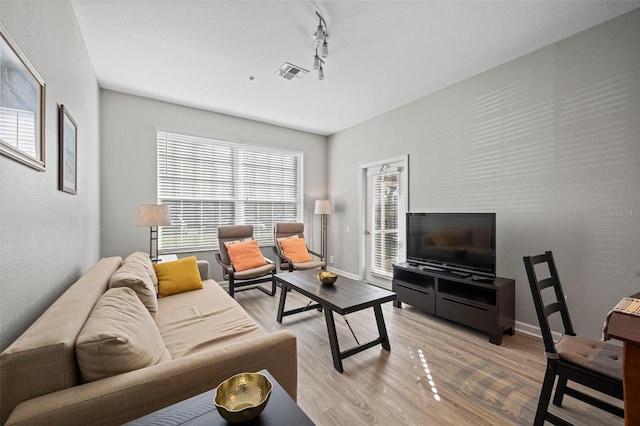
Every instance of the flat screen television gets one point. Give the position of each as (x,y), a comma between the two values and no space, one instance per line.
(460,243)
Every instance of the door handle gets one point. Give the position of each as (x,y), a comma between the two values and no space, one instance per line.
(367,233)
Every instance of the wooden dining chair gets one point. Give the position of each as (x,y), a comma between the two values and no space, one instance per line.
(591,363)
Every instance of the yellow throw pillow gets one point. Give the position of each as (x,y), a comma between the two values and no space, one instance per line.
(246,255)
(295,249)
(178,276)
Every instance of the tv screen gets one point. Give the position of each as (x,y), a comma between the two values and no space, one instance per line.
(453,242)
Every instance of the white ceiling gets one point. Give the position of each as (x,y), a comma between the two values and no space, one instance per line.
(382,54)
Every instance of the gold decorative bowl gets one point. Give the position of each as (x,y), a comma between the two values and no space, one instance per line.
(242,397)
(327,277)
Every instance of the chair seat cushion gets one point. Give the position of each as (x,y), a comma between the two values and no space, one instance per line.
(260,271)
(598,356)
(308,265)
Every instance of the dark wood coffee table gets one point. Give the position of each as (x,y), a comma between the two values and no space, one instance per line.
(343,297)
(200,410)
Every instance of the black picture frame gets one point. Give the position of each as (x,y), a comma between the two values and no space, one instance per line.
(68,152)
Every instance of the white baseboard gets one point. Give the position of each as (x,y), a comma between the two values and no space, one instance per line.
(534,330)
(524,327)
(345,273)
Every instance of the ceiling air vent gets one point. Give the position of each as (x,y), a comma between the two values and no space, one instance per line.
(289,71)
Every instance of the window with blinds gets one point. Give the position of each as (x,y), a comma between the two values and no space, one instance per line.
(209,183)
(384,233)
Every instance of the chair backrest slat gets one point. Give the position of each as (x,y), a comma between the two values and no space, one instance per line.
(544,310)
(546,283)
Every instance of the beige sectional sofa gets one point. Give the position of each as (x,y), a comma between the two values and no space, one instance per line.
(204,337)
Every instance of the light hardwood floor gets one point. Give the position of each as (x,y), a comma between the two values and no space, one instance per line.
(437,373)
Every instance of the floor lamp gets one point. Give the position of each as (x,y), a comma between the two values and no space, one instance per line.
(153,215)
(323,207)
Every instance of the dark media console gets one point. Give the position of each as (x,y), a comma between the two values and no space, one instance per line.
(484,304)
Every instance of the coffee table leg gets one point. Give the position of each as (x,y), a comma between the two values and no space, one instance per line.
(382,329)
(283,297)
(333,339)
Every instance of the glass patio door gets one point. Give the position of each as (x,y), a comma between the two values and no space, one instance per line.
(384,229)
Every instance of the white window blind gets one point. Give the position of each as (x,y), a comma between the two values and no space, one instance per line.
(384,233)
(209,183)
(18,129)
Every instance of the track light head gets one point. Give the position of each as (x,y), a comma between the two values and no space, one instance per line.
(324,49)
(316,61)
(319,34)
(321,73)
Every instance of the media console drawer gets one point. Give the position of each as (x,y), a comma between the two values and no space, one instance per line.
(424,300)
(467,313)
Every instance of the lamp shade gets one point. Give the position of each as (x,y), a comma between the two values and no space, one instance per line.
(154,215)
(323,207)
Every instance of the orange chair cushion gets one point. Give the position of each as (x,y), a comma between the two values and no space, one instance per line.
(245,255)
(295,249)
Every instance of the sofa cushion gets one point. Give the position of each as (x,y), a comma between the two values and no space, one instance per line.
(119,336)
(135,276)
(295,249)
(246,255)
(144,259)
(194,322)
(178,276)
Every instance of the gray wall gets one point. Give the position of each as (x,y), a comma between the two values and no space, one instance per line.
(549,141)
(48,238)
(128,162)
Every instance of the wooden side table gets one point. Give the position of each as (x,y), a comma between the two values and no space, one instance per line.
(627,328)
(200,410)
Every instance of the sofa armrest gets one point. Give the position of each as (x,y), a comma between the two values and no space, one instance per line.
(125,397)
(203,267)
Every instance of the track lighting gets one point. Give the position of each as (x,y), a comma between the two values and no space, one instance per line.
(320,38)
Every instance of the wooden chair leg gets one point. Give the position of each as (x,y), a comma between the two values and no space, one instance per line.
(545,395)
(560,389)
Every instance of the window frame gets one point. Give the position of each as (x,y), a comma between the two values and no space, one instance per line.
(209,183)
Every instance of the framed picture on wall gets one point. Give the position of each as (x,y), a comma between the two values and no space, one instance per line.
(68,152)
(22,105)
